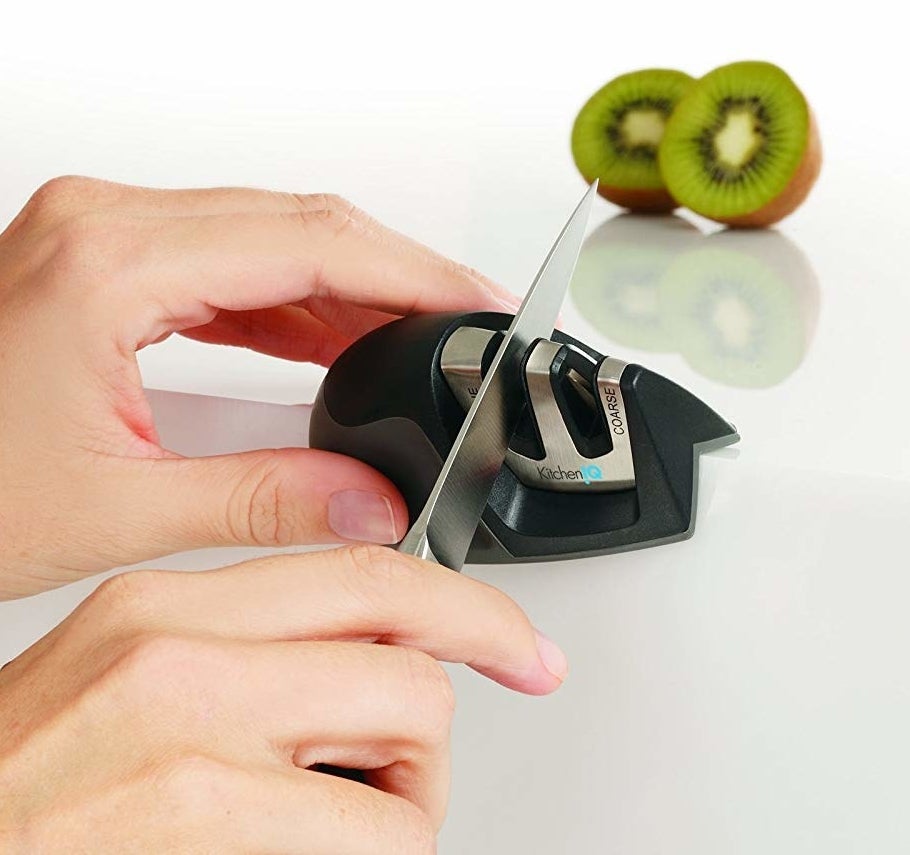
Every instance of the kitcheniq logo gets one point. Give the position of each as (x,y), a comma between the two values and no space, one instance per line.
(583,473)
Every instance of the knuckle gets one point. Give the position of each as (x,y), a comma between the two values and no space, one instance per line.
(378,578)
(464,272)
(128,597)
(329,211)
(379,569)
(336,203)
(261,509)
(61,195)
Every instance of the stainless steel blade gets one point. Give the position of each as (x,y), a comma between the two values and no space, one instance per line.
(445,527)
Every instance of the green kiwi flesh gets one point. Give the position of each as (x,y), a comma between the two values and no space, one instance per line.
(617,133)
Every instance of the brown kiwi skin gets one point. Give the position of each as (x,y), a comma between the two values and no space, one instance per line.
(793,195)
(641,201)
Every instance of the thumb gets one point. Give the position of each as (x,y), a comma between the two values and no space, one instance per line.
(267,498)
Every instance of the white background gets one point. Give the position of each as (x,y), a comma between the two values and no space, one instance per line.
(744,692)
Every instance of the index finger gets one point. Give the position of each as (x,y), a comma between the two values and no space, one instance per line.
(178,272)
(361,593)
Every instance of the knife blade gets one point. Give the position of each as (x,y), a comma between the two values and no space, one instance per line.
(445,527)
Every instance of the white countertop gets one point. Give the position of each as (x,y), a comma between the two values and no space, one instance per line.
(746,691)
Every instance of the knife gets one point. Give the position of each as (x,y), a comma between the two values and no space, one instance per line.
(445,527)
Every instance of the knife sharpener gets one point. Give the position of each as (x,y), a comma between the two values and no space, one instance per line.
(604,458)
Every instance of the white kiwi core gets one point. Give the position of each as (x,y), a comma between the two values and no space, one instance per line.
(736,143)
(643,127)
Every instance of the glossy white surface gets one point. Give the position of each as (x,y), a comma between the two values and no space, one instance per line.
(746,691)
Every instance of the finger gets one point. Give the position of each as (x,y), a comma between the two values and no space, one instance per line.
(384,709)
(342,817)
(218,807)
(71,194)
(194,267)
(62,198)
(258,498)
(360,593)
(312,331)
(286,332)
(353,321)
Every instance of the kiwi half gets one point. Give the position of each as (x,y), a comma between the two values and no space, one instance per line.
(617,133)
(741,147)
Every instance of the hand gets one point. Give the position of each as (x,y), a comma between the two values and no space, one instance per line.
(182,711)
(92,272)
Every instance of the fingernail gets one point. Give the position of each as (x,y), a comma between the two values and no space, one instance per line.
(554,660)
(361,515)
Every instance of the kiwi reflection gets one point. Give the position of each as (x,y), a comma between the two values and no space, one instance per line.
(739,306)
